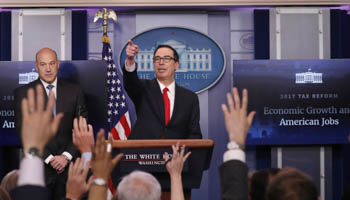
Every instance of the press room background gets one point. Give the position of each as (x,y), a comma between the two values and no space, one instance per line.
(75,37)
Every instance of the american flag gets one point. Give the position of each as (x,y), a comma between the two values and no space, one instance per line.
(117,110)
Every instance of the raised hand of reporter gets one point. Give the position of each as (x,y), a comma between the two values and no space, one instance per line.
(236,119)
(102,164)
(175,165)
(76,183)
(38,124)
(83,135)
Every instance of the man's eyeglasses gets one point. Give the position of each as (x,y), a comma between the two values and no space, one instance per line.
(166,59)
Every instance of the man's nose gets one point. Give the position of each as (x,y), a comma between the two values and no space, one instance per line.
(48,68)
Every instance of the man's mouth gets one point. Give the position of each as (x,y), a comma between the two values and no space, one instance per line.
(161,69)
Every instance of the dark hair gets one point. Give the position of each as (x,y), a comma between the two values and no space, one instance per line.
(260,181)
(292,185)
(176,56)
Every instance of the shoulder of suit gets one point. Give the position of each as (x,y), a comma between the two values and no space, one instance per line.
(184,91)
(27,86)
(63,82)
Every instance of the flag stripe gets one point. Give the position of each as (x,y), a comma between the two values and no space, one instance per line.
(120,130)
(115,134)
(125,125)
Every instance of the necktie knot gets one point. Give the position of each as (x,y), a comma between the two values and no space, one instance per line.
(165,90)
(50,87)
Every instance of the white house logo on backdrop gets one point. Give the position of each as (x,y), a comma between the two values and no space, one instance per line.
(308,77)
(190,59)
(25,78)
(202,61)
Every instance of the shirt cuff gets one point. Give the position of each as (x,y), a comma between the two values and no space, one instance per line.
(31,172)
(87,157)
(131,68)
(48,159)
(67,155)
(234,154)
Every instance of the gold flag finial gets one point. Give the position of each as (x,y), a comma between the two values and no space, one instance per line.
(104,14)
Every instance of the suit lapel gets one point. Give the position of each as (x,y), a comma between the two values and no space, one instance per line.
(158,104)
(59,97)
(177,103)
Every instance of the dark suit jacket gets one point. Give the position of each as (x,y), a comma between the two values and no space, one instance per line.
(234,180)
(30,192)
(148,100)
(70,101)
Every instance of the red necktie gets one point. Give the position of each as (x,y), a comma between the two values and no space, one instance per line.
(166,105)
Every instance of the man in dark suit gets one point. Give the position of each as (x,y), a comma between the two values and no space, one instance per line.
(234,171)
(164,109)
(69,101)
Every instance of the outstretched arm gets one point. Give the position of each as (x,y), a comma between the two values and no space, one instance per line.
(102,165)
(234,171)
(174,166)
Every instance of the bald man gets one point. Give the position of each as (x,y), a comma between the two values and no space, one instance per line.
(69,101)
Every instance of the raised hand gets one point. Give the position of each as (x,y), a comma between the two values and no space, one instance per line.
(76,185)
(83,135)
(102,164)
(38,124)
(236,119)
(131,51)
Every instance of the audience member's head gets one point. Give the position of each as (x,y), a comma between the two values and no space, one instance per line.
(259,182)
(10,180)
(139,186)
(4,195)
(292,184)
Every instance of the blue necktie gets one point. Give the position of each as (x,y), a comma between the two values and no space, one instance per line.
(54,107)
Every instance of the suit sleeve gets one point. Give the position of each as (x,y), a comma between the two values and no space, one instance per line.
(30,192)
(234,180)
(194,127)
(133,85)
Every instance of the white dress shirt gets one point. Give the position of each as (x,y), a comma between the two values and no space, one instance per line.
(54,90)
(171,88)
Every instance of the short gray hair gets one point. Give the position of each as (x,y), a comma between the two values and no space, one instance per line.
(139,185)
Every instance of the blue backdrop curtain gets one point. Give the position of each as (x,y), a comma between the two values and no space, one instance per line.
(8,154)
(262,51)
(5,36)
(79,35)
(340,48)
(262,34)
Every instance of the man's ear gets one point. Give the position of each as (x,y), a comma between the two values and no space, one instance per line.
(177,64)
(36,67)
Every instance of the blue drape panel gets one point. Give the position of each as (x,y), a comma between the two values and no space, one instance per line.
(5,36)
(340,48)
(262,51)
(79,35)
(262,34)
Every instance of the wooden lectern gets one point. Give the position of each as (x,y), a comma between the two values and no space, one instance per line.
(147,155)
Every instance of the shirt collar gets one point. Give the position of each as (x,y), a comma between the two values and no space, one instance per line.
(54,83)
(170,87)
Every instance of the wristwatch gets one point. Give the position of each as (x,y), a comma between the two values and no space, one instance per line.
(234,145)
(33,152)
(99,182)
